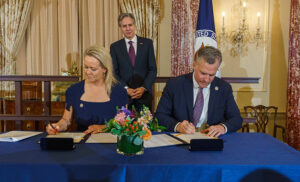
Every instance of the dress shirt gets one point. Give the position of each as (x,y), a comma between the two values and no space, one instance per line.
(206,93)
(134,43)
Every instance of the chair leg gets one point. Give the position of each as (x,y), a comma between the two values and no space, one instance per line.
(275,132)
(245,127)
(283,134)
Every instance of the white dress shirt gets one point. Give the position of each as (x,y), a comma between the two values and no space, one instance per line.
(134,43)
(206,93)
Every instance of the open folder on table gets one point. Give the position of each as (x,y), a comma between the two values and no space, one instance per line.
(187,137)
(158,140)
(102,138)
(14,136)
(161,140)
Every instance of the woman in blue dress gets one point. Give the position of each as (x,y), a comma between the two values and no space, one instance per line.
(92,101)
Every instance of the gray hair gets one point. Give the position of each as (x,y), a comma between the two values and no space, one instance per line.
(209,54)
(124,15)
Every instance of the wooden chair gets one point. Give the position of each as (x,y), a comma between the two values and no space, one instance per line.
(263,115)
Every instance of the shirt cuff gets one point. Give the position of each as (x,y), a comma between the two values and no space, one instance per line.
(224,127)
(176,127)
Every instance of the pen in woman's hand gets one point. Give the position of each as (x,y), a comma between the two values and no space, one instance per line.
(51,125)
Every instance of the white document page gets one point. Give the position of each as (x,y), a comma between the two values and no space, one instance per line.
(161,140)
(187,137)
(77,137)
(14,136)
(102,138)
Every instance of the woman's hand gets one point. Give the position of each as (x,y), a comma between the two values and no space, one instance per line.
(93,129)
(52,129)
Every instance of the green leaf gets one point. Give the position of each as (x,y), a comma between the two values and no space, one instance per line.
(141,133)
(154,126)
(115,131)
(162,128)
(116,125)
(137,140)
(106,130)
(133,108)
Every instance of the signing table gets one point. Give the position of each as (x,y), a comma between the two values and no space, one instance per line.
(246,157)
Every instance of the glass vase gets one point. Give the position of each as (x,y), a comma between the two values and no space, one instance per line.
(126,146)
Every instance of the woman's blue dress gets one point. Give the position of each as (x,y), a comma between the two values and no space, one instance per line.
(89,113)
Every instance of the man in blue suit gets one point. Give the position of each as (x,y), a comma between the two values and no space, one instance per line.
(199,99)
(134,63)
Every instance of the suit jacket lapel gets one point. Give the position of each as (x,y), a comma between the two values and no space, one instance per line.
(211,101)
(139,46)
(189,94)
(124,51)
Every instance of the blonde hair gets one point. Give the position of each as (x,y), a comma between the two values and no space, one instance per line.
(105,61)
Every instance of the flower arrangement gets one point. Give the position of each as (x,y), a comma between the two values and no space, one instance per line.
(133,123)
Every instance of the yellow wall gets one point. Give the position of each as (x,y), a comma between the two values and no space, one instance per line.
(164,39)
(275,66)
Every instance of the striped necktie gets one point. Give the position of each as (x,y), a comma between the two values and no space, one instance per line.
(198,107)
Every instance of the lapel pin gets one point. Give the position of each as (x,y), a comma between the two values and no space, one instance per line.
(81,105)
(141,43)
(216,88)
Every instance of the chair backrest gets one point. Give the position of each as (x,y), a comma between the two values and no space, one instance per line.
(262,114)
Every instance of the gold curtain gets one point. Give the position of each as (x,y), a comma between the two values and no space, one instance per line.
(51,39)
(147,15)
(13,22)
(100,22)
(59,31)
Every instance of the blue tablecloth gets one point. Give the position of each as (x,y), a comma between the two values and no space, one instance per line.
(246,157)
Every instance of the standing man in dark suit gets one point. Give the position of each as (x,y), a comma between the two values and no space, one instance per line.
(134,63)
(199,99)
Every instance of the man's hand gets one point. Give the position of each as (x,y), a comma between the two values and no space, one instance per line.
(138,93)
(186,127)
(214,130)
(130,92)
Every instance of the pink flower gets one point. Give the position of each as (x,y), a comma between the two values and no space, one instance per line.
(120,118)
(149,116)
(141,121)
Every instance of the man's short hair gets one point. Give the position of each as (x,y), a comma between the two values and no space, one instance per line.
(124,15)
(209,54)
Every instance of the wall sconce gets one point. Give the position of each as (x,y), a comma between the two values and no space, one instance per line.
(240,37)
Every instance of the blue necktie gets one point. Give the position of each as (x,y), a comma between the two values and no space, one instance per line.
(198,107)
(131,53)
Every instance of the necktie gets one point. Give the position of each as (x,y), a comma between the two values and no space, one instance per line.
(131,53)
(198,107)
